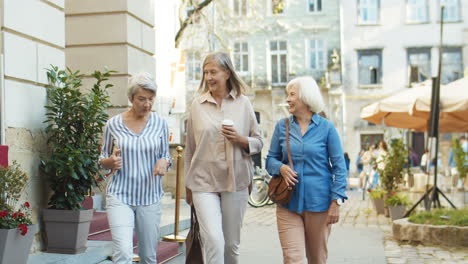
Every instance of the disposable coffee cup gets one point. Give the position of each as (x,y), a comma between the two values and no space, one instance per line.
(227,122)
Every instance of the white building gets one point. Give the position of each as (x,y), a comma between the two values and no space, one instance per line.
(270,43)
(386,46)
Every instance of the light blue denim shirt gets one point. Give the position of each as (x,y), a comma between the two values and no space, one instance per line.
(318,160)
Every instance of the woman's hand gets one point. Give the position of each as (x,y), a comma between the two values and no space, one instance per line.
(231,134)
(161,167)
(333,213)
(188,196)
(289,175)
(114,162)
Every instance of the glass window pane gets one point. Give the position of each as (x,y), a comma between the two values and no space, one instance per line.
(313,60)
(319,5)
(274,69)
(237,47)
(244,46)
(282,45)
(273,45)
(311,5)
(236,7)
(244,7)
(312,44)
(283,65)
(237,62)
(245,60)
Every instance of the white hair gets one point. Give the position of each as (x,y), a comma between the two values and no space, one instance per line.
(141,80)
(309,92)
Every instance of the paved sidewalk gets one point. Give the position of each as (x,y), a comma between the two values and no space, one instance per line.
(360,237)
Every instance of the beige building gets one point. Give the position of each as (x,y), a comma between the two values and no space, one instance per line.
(84,35)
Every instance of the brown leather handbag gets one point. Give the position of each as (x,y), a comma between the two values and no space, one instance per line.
(194,252)
(278,190)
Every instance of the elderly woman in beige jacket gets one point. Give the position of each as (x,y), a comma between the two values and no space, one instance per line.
(218,158)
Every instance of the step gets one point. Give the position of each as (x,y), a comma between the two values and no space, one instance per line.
(98,251)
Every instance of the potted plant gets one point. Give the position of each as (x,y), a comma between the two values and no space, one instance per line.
(397,205)
(459,156)
(377,197)
(16,228)
(75,119)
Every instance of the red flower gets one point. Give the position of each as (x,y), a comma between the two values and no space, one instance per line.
(369,190)
(3,213)
(99,180)
(20,214)
(27,204)
(15,215)
(23,228)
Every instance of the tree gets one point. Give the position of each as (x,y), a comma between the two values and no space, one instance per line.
(191,16)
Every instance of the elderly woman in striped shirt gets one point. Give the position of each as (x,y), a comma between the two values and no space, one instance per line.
(136,146)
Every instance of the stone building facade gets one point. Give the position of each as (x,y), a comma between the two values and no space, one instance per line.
(84,35)
(270,43)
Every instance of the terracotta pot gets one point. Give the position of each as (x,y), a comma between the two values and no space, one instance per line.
(14,248)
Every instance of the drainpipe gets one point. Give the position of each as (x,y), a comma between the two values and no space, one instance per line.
(2,102)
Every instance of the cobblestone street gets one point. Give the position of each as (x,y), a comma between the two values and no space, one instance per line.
(357,217)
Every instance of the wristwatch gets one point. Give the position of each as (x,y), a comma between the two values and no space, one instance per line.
(339,202)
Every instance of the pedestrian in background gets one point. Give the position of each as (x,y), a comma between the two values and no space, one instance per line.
(135,145)
(359,164)
(319,175)
(218,158)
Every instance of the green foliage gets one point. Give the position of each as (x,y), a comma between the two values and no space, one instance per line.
(75,120)
(460,158)
(456,217)
(376,193)
(397,199)
(278,7)
(13,182)
(392,173)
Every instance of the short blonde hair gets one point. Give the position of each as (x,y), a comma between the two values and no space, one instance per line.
(141,80)
(224,61)
(309,92)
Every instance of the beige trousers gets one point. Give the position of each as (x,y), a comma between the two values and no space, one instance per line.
(303,235)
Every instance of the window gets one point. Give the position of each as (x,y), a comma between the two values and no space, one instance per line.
(192,66)
(368,11)
(241,56)
(452,67)
(416,11)
(315,5)
(419,64)
(239,7)
(317,54)
(277,7)
(369,65)
(451,11)
(279,56)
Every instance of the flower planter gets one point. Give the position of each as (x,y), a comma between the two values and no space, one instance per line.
(67,230)
(14,248)
(397,212)
(379,205)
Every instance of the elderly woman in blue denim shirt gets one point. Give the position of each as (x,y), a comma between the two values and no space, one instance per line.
(319,175)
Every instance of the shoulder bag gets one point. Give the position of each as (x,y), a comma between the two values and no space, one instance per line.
(193,248)
(278,190)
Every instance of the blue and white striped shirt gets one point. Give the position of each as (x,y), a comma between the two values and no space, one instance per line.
(135,183)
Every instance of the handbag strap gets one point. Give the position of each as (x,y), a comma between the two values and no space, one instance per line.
(288,148)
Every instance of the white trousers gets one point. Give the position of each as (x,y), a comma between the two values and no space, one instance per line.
(220,217)
(122,219)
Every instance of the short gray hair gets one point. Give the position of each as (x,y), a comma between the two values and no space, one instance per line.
(141,80)
(309,92)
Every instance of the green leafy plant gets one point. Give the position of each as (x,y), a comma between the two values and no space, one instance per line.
(391,174)
(13,182)
(460,158)
(75,119)
(376,193)
(397,199)
(456,217)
